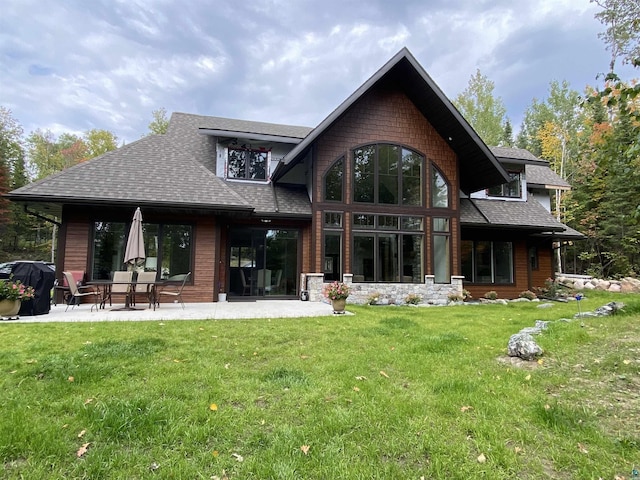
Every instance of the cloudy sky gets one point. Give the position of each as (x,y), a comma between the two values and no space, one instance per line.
(73,65)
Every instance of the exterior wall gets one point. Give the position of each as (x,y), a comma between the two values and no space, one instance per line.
(431,293)
(545,269)
(76,255)
(383,116)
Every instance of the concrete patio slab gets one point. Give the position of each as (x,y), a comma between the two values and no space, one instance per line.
(192,311)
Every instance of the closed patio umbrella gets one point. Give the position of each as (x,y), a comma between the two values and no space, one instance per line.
(134,253)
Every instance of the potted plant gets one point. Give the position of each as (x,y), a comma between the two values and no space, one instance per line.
(337,292)
(11,295)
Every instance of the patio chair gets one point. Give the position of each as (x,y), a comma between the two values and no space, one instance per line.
(143,288)
(246,286)
(77,293)
(121,286)
(177,293)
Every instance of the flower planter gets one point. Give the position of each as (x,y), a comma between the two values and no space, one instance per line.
(338,305)
(9,308)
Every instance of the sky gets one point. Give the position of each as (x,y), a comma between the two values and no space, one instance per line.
(74,65)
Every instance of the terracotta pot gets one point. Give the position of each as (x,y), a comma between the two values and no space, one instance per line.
(9,308)
(338,305)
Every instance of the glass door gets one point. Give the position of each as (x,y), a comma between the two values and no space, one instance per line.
(263,262)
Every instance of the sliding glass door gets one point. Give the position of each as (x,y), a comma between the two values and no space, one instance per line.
(263,262)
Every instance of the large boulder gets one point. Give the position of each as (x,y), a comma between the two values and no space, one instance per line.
(523,345)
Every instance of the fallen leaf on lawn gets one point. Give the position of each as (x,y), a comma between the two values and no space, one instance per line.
(81,434)
(154,466)
(255,353)
(305,449)
(547,407)
(13,371)
(482,458)
(88,401)
(626,362)
(213,407)
(361,378)
(393,348)
(356,389)
(33,360)
(176,360)
(466,408)
(304,357)
(83,449)
(527,378)
(582,448)
(540,361)
(382,372)
(237,457)
(71,379)
(227,365)
(65,425)
(201,329)
(215,453)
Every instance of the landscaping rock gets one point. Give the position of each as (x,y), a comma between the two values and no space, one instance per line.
(545,305)
(523,345)
(609,309)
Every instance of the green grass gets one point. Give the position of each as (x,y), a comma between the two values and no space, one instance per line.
(390,392)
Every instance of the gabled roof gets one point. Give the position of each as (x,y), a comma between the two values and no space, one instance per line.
(478,166)
(518,155)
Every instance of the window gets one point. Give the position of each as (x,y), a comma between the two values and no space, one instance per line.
(386,248)
(510,190)
(441,250)
(332,260)
(167,247)
(247,163)
(487,262)
(387,175)
(333,181)
(439,190)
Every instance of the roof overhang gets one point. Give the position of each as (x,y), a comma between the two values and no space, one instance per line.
(249,136)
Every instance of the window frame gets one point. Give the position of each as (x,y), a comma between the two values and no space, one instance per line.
(505,190)
(159,255)
(474,252)
(248,150)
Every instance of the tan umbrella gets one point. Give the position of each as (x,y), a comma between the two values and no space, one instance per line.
(134,253)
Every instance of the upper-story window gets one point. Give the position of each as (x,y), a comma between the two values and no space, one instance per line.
(510,190)
(388,175)
(439,189)
(247,163)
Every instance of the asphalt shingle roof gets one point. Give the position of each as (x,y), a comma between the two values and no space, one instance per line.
(529,214)
(544,176)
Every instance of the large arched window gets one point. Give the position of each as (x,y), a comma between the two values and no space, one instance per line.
(386,174)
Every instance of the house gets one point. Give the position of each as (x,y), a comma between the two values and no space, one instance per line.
(393,192)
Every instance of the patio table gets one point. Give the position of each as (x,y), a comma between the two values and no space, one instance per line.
(107,284)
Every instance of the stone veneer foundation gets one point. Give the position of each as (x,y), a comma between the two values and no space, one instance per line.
(431,293)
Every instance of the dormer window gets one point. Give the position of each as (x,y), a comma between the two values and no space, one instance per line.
(512,189)
(247,163)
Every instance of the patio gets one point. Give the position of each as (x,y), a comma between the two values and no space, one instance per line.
(192,311)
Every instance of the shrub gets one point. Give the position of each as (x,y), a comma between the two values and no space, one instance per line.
(413,299)
(491,295)
(373,298)
(466,295)
(455,297)
(528,294)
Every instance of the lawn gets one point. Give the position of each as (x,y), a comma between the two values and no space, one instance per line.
(388,392)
